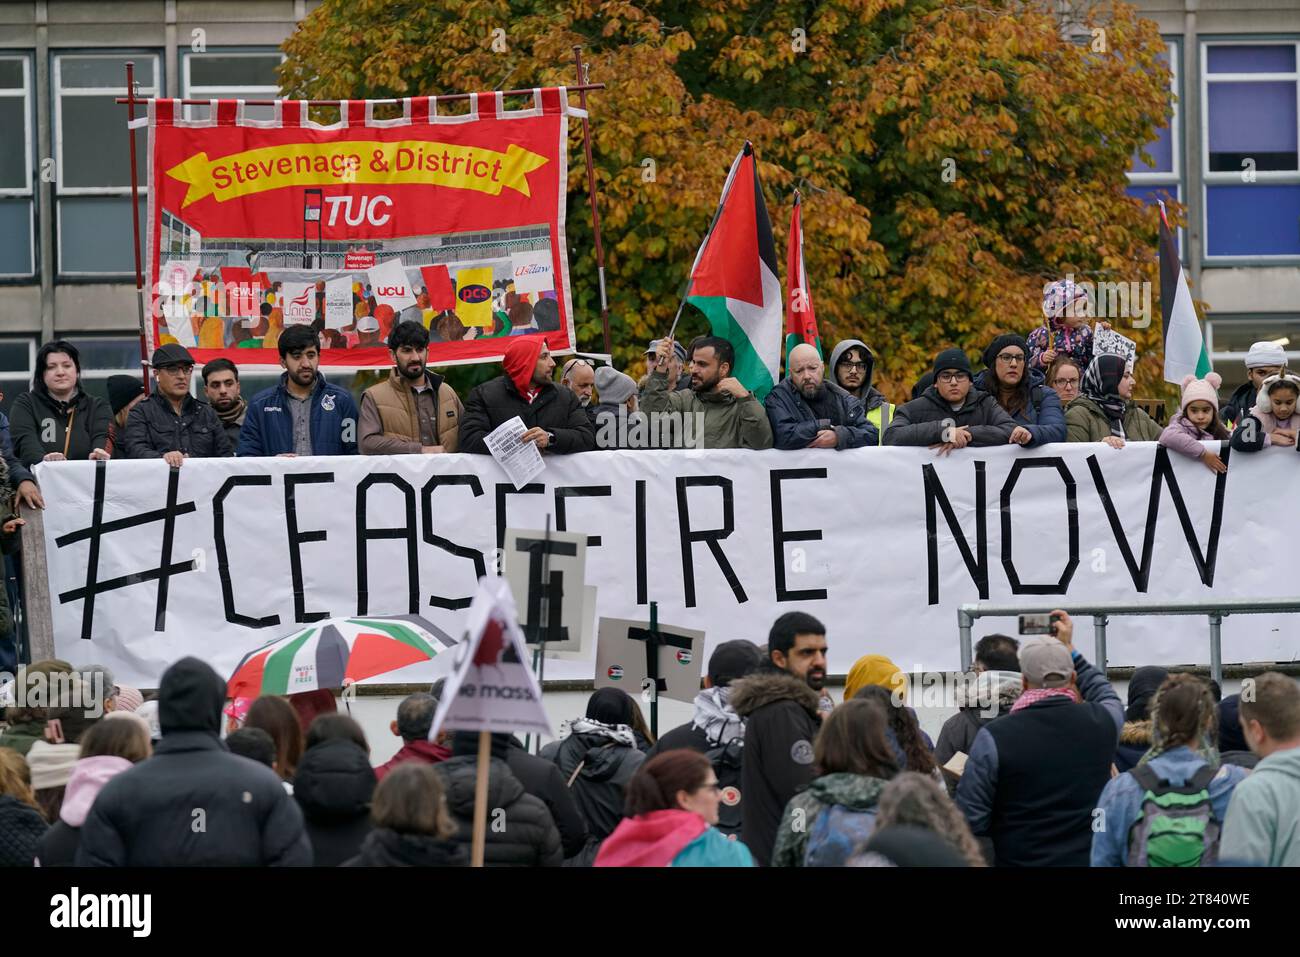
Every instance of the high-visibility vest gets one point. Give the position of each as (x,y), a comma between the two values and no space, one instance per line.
(880,417)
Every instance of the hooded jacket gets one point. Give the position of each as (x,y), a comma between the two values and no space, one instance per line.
(384,847)
(1042,414)
(1239,404)
(1232,742)
(527,839)
(781,721)
(856,792)
(543,780)
(87,416)
(1086,422)
(21,830)
(268,424)
(552,408)
(145,817)
(921,421)
(608,756)
(333,785)
(714,723)
(670,838)
(153,429)
(729,423)
(795,423)
(1121,801)
(1134,741)
(58,847)
(958,732)
(867,394)
(1263,823)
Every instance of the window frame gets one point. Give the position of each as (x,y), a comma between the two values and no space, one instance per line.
(226,91)
(29,154)
(1233,177)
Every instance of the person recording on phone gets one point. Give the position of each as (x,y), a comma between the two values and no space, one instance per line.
(1034,776)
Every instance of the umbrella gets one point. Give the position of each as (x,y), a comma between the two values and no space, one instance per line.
(336,651)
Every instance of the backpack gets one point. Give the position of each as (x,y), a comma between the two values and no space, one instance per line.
(1176,826)
(727,760)
(836,834)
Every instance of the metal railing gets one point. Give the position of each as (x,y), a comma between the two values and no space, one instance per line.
(1101,613)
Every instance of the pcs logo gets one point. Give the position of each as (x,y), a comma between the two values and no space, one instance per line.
(474,293)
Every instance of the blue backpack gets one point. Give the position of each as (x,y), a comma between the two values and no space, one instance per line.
(836,834)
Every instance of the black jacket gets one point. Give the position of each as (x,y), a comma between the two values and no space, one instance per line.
(386,848)
(542,779)
(193,803)
(524,837)
(921,421)
(556,410)
(153,429)
(781,723)
(88,415)
(333,785)
(21,829)
(1238,407)
(58,845)
(685,736)
(795,423)
(599,788)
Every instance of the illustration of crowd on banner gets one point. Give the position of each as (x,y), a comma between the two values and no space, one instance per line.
(770,770)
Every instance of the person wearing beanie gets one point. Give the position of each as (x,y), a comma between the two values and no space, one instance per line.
(144,817)
(951,413)
(554,418)
(125,392)
(1104,410)
(1197,421)
(614,415)
(1273,419)
(1022,392)
(1263,359)
(809,412)
(1065,330)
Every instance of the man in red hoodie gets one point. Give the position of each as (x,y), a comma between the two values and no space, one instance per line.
(414,719)
(555,418)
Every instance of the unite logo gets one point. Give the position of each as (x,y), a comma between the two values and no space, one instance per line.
(474,293)
(301,300)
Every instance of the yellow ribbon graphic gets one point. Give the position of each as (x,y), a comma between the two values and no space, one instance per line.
(370,161)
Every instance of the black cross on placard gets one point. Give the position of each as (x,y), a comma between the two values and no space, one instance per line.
(535,630)
(654,640)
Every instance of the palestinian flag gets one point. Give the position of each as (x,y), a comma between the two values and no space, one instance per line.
(800,321)
(1184,344)
(734,281)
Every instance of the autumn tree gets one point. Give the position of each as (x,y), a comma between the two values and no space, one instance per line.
(955,155)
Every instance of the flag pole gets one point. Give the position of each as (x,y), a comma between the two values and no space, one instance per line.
(131,101)
(479,839)
(591,194)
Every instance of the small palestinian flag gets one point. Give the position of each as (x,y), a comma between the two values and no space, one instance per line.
(1184,344)
(801,321)
(734,281)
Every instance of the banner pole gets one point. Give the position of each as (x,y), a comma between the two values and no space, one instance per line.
(479,839)
(591,194)
(135,223)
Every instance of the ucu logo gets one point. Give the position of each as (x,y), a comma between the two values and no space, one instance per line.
(390,290)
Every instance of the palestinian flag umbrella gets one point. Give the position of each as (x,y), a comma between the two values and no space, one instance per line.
(329,653)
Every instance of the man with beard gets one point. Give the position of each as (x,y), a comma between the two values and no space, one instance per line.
(732,417)
(304,414)
(221,386)
(553,417)
(579,378)
(808,412)
(779,704)
(852,366)
(413,411)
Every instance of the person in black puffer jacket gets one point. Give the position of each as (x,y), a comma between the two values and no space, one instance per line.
(542,779)
(334,785)
(602,750)
(412,827)
(21,825)
(529,837)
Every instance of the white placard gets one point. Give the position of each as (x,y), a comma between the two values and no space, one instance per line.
(533,272)
(298,303)
(338,303)
(390,285)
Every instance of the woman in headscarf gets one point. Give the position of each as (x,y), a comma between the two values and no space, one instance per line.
(1183,754)
(1104,411)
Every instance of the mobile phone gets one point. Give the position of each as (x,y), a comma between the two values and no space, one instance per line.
(1038,624)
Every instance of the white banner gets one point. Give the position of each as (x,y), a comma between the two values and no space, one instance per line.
(148,565)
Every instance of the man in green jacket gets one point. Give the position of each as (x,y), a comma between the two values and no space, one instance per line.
(1263,821)
(732,417)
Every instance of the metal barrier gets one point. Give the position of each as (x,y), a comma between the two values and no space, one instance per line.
(1100,614)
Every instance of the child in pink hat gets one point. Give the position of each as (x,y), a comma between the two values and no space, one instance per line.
(1197,421)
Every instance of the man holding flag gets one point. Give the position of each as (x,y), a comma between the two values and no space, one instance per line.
(733,418)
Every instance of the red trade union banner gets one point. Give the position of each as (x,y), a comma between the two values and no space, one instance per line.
(351,227)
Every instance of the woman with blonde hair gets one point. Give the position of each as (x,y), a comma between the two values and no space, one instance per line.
(914,799)
(412,825)
(21,824)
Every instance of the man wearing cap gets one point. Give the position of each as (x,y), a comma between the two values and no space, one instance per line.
(304,414)
(731,415)
(1263,359)
(807,412)
(615,418)
(579,378)
(951,414)
(171,423)
(677,382)
(1033,777)
(554,418)
(715,721)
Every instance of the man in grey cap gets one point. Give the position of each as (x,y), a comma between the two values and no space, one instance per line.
(171,423)
(676,363)
(614,414)
(1033,777)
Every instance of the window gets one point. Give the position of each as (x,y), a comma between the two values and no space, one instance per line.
(1252,152)
(231,75)
(1162,177)
(17,222)
(92,159)
(17,358)
(1228,338)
